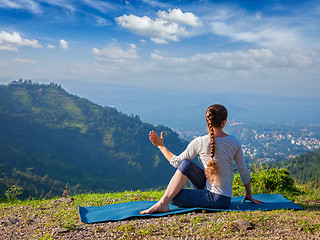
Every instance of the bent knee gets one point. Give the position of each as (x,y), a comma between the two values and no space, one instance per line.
(184,166)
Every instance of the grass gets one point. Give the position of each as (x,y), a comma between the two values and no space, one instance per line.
(37,218)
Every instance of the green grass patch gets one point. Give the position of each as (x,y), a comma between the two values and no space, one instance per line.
(48,214)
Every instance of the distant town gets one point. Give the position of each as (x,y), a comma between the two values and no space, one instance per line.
(269,142)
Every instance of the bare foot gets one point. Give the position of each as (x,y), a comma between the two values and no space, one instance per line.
(158,207)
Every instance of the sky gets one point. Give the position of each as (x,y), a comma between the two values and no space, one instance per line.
(269,48)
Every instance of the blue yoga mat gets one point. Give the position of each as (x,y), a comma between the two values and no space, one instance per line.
(121,211)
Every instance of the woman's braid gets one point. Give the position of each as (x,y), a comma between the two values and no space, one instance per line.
(215,115)
(211,167)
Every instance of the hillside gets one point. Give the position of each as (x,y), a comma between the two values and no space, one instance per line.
(304,168)
(50,139)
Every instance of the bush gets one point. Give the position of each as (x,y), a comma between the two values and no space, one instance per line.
(13,192)
(267,181)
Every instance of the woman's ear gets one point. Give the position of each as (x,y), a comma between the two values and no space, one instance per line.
(224,122)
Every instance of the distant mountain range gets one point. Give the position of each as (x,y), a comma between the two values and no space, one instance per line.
(51,140)
(182,109)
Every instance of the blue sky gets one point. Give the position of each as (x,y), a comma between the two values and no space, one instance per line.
(255,47)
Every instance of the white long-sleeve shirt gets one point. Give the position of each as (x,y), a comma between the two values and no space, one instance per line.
(227,149)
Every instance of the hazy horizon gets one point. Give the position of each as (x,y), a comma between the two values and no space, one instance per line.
(185,110)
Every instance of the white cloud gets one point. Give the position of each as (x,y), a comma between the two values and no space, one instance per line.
(50,46)
(158,28)
(168,27)
(170,60)
(176,15)
(101,22)
(29,5)
(65,5)
(11,41)
(63,44)
(159,40)
(68,6)
(114,53)
(260,29)
(154,3)
(249,60)
(8,48)
(22,60)
(99,5)
(261,70)
(36,6)
(269,36)
(257,71)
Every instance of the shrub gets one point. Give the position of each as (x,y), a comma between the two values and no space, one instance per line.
(267,181)
(13,192)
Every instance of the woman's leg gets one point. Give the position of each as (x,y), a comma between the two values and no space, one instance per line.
(187,169)
(194,173)
(201,198)
(198,197)
(177,182)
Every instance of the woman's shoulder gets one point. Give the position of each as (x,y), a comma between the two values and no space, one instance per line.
(230,138)
(206,139)
(203,138)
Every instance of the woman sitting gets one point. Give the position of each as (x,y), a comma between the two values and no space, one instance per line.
(213,186)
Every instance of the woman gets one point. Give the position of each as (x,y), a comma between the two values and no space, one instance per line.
(216,152)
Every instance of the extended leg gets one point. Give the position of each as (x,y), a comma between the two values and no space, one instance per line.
(177,182)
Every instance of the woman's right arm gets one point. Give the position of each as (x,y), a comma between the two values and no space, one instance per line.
(158,142)
(188,154)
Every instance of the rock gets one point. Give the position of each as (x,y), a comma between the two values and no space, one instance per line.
(244,224)
(4,223)
(29,221)
(62,200)
(13,220)
(58,231)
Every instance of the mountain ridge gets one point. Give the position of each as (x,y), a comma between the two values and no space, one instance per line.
(52,138)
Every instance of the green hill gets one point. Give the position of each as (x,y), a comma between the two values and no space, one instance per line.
(304,168)
(49,138)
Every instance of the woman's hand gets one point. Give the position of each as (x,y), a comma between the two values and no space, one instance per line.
(155,139)
(249,197)
(158,142)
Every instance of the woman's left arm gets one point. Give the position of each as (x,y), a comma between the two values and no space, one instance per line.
(245,175)
(248,195)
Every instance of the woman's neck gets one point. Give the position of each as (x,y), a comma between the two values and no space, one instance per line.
(218,132)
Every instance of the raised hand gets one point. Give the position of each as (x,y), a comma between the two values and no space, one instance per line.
(155,139)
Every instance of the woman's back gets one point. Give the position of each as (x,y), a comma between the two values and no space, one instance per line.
(227,149)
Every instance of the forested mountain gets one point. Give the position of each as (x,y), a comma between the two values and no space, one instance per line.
(50,138)
(304,168)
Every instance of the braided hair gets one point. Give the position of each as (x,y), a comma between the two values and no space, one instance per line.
(215,115)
